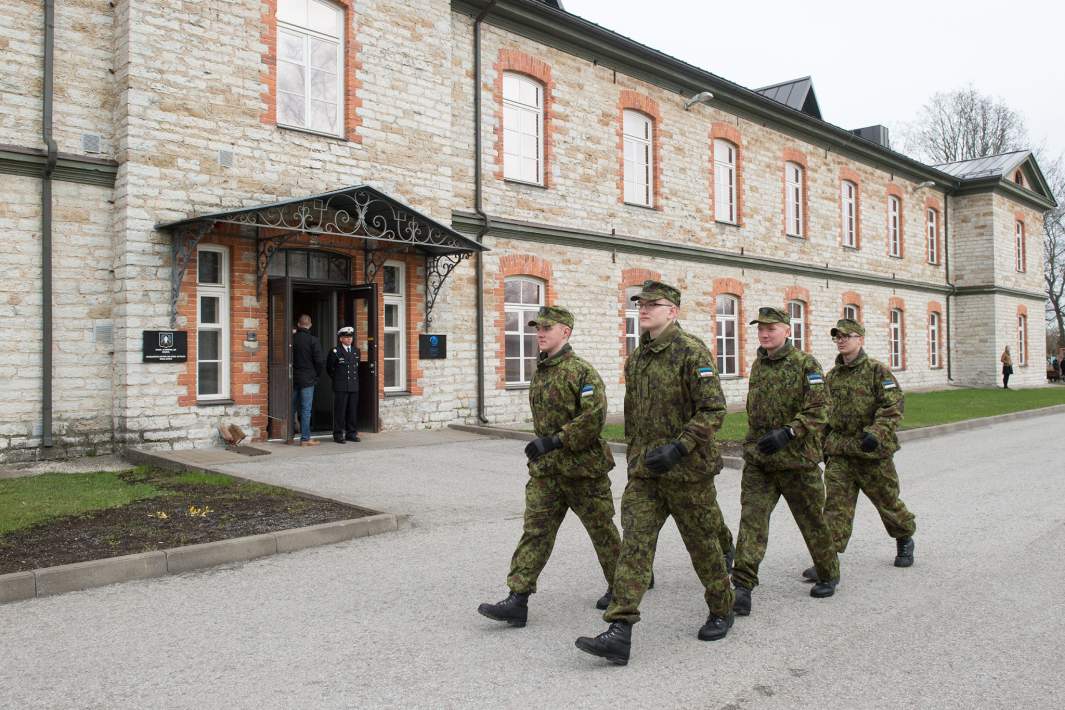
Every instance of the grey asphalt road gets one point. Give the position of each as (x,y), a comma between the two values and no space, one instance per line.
(391,621)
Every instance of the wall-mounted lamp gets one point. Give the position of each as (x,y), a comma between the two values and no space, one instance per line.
(701,97)
(926,183)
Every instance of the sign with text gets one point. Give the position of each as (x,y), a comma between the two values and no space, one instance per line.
(165,346)
(432,347)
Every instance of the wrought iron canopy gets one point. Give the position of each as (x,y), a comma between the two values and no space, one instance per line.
(361,212)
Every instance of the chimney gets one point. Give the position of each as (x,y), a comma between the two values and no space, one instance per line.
(877,134)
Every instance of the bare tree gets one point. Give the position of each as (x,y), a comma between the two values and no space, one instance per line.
(1054,248)
(961,125)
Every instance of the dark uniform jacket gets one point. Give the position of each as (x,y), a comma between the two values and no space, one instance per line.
(307,359)
(866,397)
(567,398)
(672,393)
(787,389)
(343,368)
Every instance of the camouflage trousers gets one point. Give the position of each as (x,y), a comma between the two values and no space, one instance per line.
(879,481)
(646,504)
(804,492)
(546,501)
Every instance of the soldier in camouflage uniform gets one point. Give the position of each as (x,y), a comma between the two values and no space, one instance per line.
(866,408)
(673,409)
(786,414)
(568,465)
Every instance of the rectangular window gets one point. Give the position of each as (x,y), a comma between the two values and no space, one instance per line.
(793,199)
(523,129)
(522,298)
(395,330)
(724,181)
(726,340)
(1019,246)
(933,339)
(310,76)
(933,236)
(896,338)
(894,227)
(632,320)
(1022,340)
(798,331)
(638,132)
(212,323)
(849,202)
(851,311)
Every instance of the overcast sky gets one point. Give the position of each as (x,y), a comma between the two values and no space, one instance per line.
(871,62)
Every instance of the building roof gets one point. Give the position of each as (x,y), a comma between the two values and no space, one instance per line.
(797,94)
(993,165)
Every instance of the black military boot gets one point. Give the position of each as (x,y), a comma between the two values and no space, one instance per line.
(823,589)
(742,604)
(809,574)
(514,609)
(613,644)
(604,601)
(904,553)
(716,627)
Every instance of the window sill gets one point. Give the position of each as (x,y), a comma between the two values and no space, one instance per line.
(214,402)
(895,256)
(517,386)
(397,393)
(848,246)
(312,132)
(796,237)
(726,223)
(730,377)
(642,207)
(523,183)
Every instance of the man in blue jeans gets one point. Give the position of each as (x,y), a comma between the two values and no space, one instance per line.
(308,361)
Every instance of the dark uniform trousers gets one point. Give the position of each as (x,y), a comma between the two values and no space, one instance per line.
(547,498)
(345,413)
(804,492)
(878,480)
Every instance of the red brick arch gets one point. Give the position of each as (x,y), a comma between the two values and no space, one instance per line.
(516,265)
(629,99)
(798,293)
(853,298)
(730,133)
(932,203)
(937,308)
(1022,310)
(518,62)
(731,287)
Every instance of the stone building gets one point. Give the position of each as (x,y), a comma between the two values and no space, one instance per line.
(210,170)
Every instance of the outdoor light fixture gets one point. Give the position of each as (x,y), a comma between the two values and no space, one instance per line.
(926,183)
(701,97)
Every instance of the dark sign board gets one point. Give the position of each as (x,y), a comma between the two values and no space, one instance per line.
(166,346)
(432,347)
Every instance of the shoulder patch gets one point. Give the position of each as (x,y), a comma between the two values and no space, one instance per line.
(815,378)
(587,391)
(704,372)
(890,384)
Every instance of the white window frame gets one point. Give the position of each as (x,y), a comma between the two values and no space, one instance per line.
(221,292)
(526,312)
(725,155)
(632,318)
(933,339)
(894,226)
(895,339)
(849,213)
(852,311)
(1022,332)
(399,301)
(292,27)
(638,146)
(793,174)
(932,218)
(727,366)
(1018,244)
(796,316)
(523,121)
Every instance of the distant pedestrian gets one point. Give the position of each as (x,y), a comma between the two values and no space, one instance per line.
(343,367)
(307,364)
(1007,367)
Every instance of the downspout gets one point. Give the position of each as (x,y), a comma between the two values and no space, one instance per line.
(46,227)
(478,206)
(946,266)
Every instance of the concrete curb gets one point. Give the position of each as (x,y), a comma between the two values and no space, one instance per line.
(737,461)
(146,565)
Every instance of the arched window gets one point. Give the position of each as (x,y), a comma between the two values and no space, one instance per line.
(523,129)
(724,181)
(852,311)
(632,320)
(933,339)
(1022,340)
(796,314)
(849,213)
(522,298)
(793,186)
(1018,231)
(933,236)
(894,226)
(638,132)
(726,336)
(895,333)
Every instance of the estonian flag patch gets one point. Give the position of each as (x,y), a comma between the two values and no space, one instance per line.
(587,391)
(814,378)
(890,384)
(705,372)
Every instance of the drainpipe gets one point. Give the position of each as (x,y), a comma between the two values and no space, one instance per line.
(478,206)
(946,266)
(46,228)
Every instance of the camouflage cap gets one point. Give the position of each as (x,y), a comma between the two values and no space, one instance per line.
(653,290)
(550,315)
(848,326)
(769,314)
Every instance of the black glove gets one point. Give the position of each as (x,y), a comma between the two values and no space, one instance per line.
(774,441)
(869,443)
(538,447)
(663,458)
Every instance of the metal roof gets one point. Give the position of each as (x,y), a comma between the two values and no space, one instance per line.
(989,166)
(797,94)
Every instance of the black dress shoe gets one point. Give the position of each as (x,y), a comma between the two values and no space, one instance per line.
(338,439)
(613,644)
(716,627)
(514,609)
(353,437)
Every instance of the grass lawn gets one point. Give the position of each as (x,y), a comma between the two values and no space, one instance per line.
(922,409)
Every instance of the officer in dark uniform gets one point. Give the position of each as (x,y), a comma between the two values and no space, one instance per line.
(342,364)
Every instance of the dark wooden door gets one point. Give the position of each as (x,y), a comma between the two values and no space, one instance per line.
(360,311)
(279,359)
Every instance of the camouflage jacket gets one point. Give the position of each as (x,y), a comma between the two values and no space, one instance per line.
(672,393)
(787,389)
(866,397)
(568,398)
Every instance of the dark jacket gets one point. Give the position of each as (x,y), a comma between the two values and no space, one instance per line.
(343,368)
(307,359)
